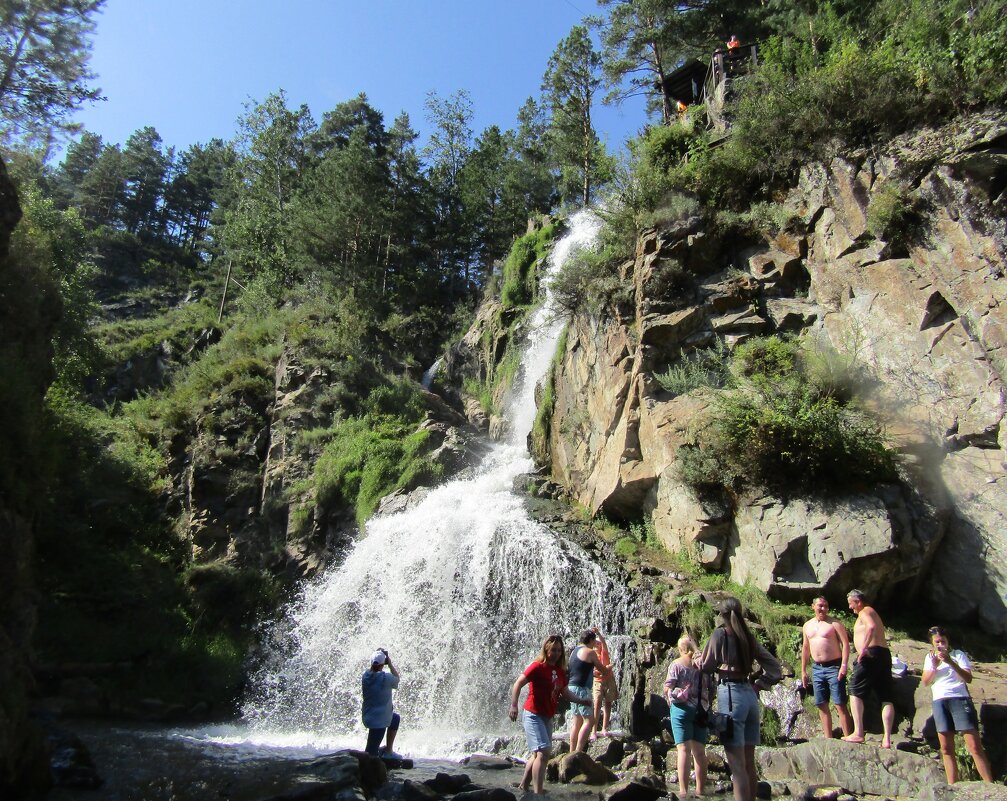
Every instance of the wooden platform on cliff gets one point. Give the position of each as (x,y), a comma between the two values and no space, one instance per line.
(713,83)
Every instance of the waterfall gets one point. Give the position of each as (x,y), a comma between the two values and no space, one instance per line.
(431,373)
(461,589)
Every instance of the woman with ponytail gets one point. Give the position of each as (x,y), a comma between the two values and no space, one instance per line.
(730,655)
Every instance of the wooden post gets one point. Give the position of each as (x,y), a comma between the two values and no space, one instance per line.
(223,298)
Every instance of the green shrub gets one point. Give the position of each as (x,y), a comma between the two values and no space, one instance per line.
(781,430)
(542,427)
(892,215)
(626,547)
(707,367)
(697,617)
(230,597)
(771,729)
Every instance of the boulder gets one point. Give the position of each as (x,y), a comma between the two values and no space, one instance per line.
(579,766)
(858,768)
(791,314)
(486,762)
(686,521)
(71,762)
(418,791)
(633,791)
(607,751)
(964,791)
(486,794)
(447,783)
(803,547)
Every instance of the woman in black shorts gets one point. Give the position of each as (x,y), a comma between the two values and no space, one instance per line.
(948,674)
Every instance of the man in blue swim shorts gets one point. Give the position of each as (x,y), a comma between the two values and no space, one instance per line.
(828,645)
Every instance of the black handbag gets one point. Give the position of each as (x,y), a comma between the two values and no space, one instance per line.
(719,723)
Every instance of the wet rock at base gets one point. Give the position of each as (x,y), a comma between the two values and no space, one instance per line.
(418,791)
(633,790)
(579,766)
(487,762)
(486,794)
(608,751)
(447,783)
(71,762)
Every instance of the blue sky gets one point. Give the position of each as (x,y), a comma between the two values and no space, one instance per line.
(187,66)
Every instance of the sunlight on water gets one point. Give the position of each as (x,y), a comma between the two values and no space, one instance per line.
(461,590)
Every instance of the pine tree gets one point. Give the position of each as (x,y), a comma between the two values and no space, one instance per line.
(571,80)
(44,50)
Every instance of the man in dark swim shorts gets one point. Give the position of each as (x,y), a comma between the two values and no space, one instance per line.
(873,671)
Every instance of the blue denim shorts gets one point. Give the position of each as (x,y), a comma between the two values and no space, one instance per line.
(538,730)
(739,700)
(683,725)
(825,680)
(586,707)
(955,714)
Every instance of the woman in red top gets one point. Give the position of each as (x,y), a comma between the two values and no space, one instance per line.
(546,680)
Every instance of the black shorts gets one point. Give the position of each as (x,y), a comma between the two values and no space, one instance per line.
(873,671)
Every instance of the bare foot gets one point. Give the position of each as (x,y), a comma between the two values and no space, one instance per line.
(886,744)
(853,738)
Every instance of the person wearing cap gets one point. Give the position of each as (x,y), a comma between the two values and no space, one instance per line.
(377,714)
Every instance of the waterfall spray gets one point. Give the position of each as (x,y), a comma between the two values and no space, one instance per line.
(461,589)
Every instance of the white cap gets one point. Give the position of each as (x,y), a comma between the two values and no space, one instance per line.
(378,658)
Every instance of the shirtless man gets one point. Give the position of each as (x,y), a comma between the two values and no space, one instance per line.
(873,670)
(828,645)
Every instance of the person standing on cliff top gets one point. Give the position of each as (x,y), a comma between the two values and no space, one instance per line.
(828,645)
(377,711)
(873,670)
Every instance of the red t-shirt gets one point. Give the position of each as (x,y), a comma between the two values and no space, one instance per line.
(545,683)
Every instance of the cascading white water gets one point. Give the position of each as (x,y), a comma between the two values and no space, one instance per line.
(461,589)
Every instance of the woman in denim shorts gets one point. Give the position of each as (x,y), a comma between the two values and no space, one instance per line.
(546,679)
(948,674)
(730,653)
(687,691)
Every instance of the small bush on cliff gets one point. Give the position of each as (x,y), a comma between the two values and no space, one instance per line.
(782,429)
(706,367)
(590,279)
(893,215)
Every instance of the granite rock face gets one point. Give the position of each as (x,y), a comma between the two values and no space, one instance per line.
(925,311)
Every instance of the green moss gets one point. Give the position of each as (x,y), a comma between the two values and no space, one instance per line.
(370,456)
(520,270)
(542,427)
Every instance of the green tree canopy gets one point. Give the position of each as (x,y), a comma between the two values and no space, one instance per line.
(44,50)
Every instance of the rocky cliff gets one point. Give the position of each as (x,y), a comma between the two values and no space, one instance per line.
(895,259)
(29,309)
